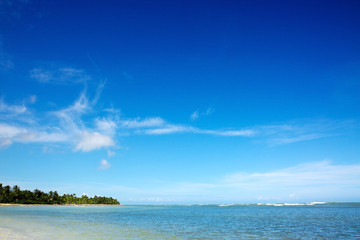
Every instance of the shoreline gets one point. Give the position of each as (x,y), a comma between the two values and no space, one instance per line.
(32,205)
(219,205)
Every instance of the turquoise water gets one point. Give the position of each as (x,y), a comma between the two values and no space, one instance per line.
(323,221)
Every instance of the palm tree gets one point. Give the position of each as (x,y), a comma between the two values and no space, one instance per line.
(16,193)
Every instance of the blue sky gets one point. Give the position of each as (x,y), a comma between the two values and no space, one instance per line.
(182,101)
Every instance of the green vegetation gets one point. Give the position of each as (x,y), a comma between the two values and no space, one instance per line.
(15,195)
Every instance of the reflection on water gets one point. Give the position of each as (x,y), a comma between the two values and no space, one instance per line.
(277,221)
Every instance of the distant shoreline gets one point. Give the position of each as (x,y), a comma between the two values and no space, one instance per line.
(218,205)
(205,205)
(26,205)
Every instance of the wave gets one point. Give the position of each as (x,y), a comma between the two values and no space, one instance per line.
(316,203)
(291,204)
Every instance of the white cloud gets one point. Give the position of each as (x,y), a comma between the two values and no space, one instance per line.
(8,131)
(106,126)
(10,134)
(93,141)
(69,129)
(11,109)
(104,165)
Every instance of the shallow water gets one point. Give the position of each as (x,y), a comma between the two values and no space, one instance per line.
(325,221)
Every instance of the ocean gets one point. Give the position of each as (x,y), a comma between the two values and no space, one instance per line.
(271,221)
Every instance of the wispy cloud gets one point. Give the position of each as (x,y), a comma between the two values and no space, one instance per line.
(86,139)
(98,92)
(305,175)
(303,130)
(167,129)
(271,135)
(67,127)
(32,99)
(292,139)
(314,180)
(158,126)
(104,164)
(106,126)
(322,181)
(59,75)
(209,111)
(7,109)
(110,153)
(196,114)
(142,123)
(311,181)
(4,143)
(16,113)
(70,117)
(228,133)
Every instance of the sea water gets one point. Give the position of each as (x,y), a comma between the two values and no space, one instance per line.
(271,221)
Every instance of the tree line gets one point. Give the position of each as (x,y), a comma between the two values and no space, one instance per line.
(15,195)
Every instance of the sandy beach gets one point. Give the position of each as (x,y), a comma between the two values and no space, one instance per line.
(10,205)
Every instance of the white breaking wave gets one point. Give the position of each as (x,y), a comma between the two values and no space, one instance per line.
(291,204)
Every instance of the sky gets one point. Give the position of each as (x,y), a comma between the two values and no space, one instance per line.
(182,102)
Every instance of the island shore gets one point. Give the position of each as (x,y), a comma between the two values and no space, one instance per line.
(32,205)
